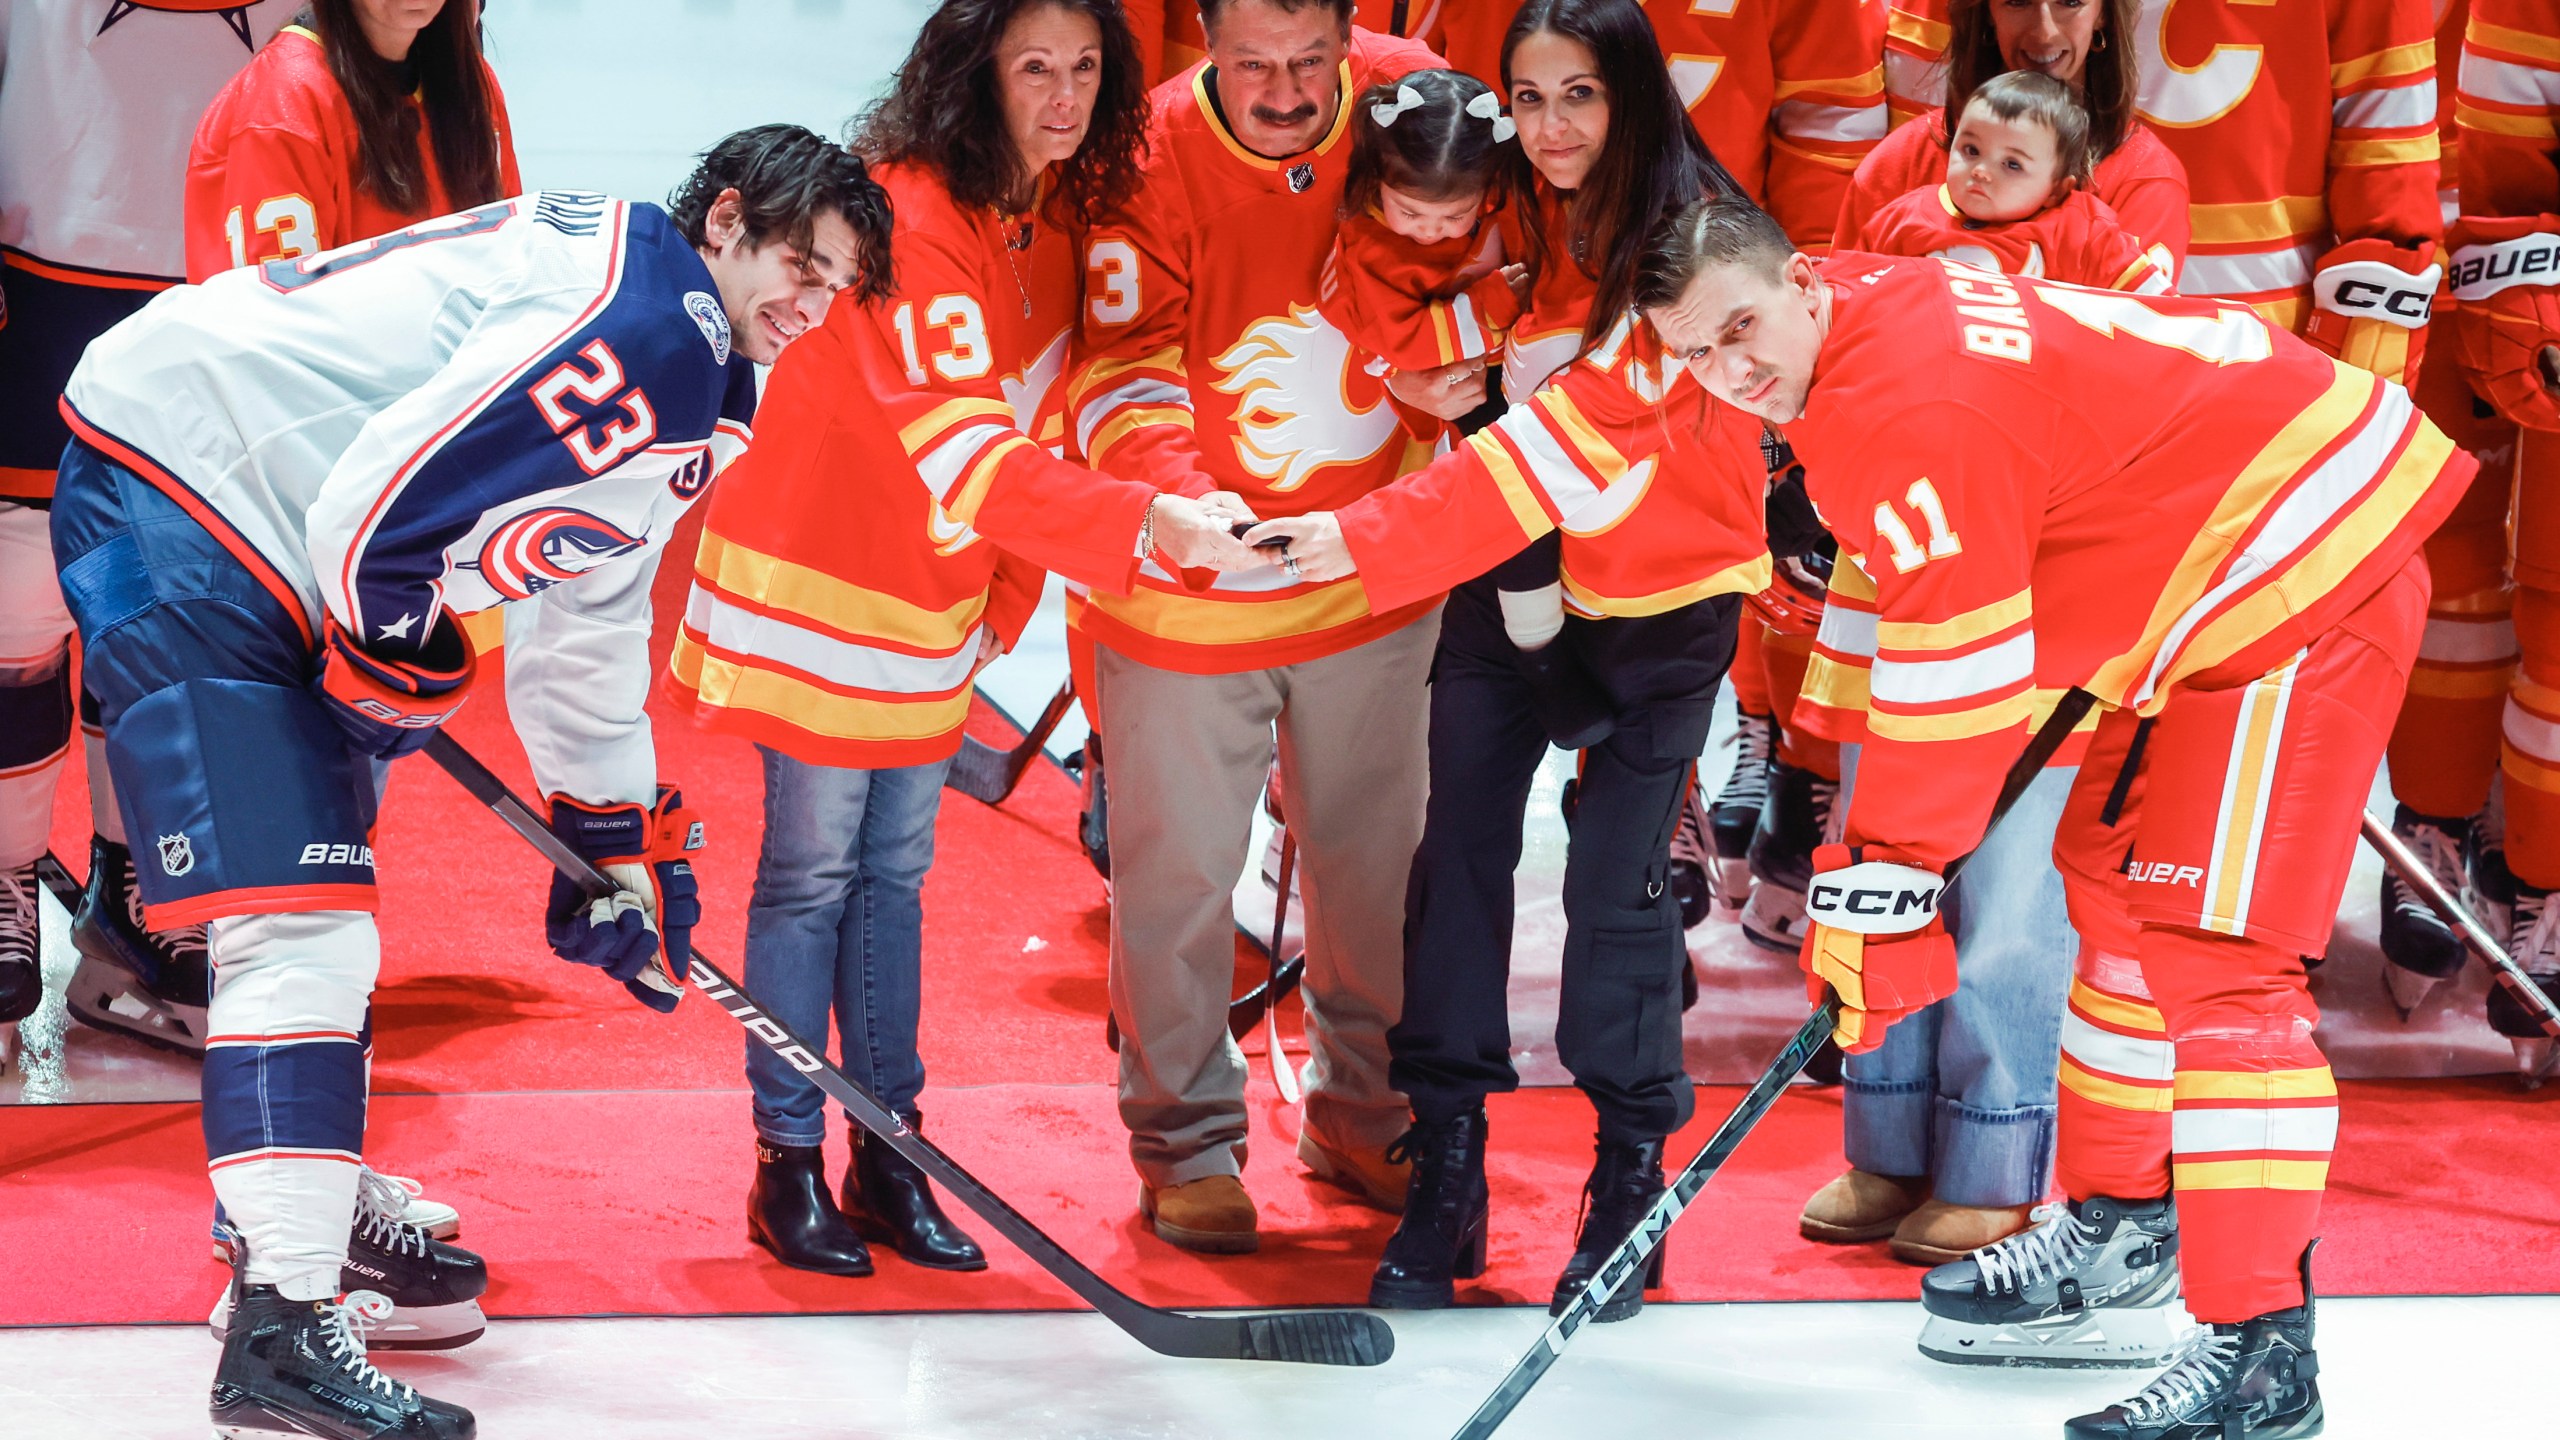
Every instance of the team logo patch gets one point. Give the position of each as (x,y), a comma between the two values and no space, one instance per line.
(691,476)
(711,320)
(1301,175)
(541,548)
(177,854)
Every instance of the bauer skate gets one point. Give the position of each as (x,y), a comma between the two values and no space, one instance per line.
(1797,818)
(21,957)
(2093,1284)
(433,1288)
(2253,1381)
(151,985)
(2419,949)
(2533,941)
(1736,811)
(298,1368)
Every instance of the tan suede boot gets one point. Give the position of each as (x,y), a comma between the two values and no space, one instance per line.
(1212,1215)
(1363,1170)
(1940,1234)
(1858,1207)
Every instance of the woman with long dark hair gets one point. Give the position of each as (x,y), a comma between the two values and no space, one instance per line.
(359,118)
(1654,557)
(842,603)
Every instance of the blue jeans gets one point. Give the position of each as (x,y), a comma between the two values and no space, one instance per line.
(1963,1091)
(838,918)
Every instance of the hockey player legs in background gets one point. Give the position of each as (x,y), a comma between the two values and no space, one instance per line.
(286,487)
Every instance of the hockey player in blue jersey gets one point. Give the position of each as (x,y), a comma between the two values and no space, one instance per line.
(284,489)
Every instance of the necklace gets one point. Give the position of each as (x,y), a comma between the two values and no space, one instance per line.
(1017,239)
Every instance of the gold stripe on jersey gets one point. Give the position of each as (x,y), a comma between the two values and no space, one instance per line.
(1926,35)
(1980,720)
(2255,221)
(1099,373)
(1191,621)
(1834,684)
(1516,490)
(1979,623)
(2112,1093)
(2535,126)
(1870,83)
(965,498)
(739,573)
(2418,57)
(2269,1174)
(2311,1082)
(1585,437)
(1117,428)
(1747,578)
(2514,42)
(2407,150)
(730,685)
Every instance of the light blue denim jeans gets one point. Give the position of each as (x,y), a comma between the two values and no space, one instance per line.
(1963,1091)
(837,921)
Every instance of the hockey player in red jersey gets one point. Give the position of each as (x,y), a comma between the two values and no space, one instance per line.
(287,486)
(2257,508)
(97,99)
(344,129)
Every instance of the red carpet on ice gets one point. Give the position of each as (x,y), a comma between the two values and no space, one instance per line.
(600,1153)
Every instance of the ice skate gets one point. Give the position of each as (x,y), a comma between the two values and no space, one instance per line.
(391,1194)
(151,985)
(433,1288)
(2492,894)
(1736,811)
(298,1368)
(2253,1381)
(1797,818)
(2533,941)
(2095,1283)
(2419,949)
(21,957)
(1694,877)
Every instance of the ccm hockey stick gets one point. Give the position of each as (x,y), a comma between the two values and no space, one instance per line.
(1311,1337)
(1628,1260)
(986,774)
(2520,985)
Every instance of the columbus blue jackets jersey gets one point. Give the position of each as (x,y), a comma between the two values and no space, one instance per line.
(511,405)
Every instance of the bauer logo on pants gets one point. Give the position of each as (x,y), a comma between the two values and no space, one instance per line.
(177,855)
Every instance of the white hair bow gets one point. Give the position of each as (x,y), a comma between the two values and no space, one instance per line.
(1386,111)
(1488,106)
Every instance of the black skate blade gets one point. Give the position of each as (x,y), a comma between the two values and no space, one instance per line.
(1319,1337)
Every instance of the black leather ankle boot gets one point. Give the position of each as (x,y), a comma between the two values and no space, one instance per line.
(790,1213)
(890,1202)
(1626,1178)
(1440,1241)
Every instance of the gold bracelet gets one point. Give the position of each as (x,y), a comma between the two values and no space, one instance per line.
(1147,529)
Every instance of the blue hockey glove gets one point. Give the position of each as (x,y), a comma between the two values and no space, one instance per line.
(389,707)
(641,935)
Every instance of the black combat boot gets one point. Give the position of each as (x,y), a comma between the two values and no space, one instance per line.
(1440,1240)
(890,1202)
(790,1213)
(1626,1178)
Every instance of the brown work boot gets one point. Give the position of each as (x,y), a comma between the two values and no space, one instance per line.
(1940,1234)
(1858,1207)
(1364,1170)
(1212,1215)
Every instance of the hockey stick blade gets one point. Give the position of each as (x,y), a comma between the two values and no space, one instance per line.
(1312,1337)
(2459,918)
(1629,1258)
(988,775)
(56,877)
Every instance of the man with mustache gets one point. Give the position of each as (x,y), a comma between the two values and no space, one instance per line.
(1204,366)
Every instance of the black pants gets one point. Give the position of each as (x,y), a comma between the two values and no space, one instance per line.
(1618,1030)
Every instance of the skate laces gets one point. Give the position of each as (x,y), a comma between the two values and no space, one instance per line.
(382,1203)
(345,1322)
(2538,920)
(2051,1247)
(1749,782)
(19,917)
(177,939)
(2441,852)
(2195,1375)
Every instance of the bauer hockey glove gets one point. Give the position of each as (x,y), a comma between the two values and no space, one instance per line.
(2370,301)
(2507,313)
(647,925)
(1876,941)
(387,707)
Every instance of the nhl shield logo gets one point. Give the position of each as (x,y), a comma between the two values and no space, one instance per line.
(1301,175)
(177,855)
(711,320)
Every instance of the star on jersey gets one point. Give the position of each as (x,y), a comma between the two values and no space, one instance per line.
(397,629)
(234,13)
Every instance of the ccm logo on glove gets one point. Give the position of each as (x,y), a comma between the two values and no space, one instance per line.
(2371,289)
(1874,897)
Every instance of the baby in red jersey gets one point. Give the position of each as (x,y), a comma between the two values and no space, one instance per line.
(2015,199)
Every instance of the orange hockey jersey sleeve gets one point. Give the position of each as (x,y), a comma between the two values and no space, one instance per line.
(1583,448)
(1829,110)
(957,425)
(2382,141)
(263,192)
(1130,403)
(1915,49)
(1387,294)
(2505,107)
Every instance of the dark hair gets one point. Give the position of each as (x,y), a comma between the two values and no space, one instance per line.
(786,177)
(2042,100)
(1433,149)
(2111,80)
(1651,163)
(453,91)
(942,112)
(1342,10)
(1720,230)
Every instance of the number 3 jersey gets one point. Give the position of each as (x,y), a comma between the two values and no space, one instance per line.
(2056,486)
(513,403)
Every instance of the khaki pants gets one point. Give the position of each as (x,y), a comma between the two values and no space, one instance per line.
(1188,757)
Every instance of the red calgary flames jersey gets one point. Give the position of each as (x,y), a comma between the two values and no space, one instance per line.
(274,172)
(1788,93)
(1656,487)
(2506,110)
(1417,306)
(2237,494)
(841,589)
(2141,181)
(1204,364)
(2078,241)
(1469,32)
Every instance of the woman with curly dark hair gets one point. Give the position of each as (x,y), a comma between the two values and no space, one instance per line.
(842,601)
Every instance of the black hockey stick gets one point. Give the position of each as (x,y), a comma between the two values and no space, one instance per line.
(1312,1337)
(2520,985)
(56,877)
(1283,1074)
(1628,1259)
(986,774)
